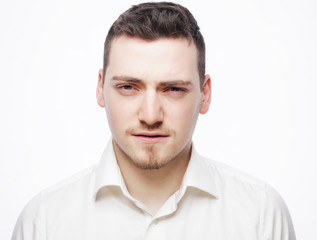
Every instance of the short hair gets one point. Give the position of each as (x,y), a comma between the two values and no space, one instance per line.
(154,20)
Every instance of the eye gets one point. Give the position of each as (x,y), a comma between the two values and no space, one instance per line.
(126,89)
(175,92)
(176,89)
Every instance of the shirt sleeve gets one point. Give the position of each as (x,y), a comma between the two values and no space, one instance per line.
(276,221)
(30,224)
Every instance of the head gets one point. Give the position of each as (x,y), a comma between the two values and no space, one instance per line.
(153,85)
(154,20)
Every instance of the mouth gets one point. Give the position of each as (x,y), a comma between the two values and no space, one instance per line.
(151,137)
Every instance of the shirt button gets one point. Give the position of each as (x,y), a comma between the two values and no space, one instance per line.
(156,221)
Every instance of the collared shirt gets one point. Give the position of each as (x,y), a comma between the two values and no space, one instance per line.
(214,201)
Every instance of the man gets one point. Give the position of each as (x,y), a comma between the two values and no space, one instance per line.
(150,182)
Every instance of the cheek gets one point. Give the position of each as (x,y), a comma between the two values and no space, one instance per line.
(120,112)
(114,110)
(184,115)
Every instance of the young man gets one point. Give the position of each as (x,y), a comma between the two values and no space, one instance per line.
(150,182)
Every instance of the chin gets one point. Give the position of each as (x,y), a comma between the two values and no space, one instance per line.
(150,162)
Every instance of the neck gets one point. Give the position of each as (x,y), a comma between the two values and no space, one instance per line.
(153,187)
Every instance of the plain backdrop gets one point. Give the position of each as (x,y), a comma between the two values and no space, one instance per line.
(262,57)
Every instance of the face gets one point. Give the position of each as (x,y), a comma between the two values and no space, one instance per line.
(152,97)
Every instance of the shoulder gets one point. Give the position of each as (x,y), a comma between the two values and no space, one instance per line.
(78,181)
(227,177)
(31,222)
(241,190)
(231,180)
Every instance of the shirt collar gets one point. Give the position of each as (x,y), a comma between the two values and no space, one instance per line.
(199,174)
(108,172)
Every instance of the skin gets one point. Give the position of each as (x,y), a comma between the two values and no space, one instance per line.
(152,97)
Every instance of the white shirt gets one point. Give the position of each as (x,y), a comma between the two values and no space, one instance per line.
(213,202)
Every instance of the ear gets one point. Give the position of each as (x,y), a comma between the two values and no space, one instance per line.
(99,92)
(206,98)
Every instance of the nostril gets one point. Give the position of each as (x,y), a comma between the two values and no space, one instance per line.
(153,126)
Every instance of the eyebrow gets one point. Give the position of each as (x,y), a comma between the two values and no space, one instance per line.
(176,82)
(126,78)
(164,83)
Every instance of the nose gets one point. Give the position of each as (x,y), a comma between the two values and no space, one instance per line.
(151,112)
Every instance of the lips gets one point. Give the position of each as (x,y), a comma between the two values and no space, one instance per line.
(151,137)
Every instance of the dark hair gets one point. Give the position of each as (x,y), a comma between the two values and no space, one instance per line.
(155,20)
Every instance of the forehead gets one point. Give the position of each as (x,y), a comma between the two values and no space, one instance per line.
(160,59)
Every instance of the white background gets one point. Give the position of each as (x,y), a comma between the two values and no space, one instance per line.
(262,57)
